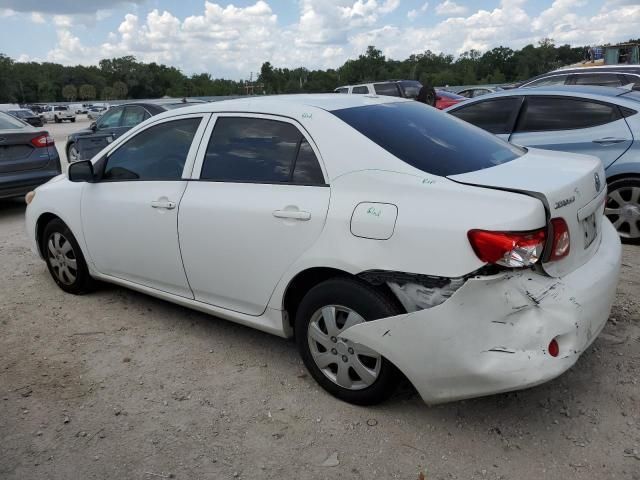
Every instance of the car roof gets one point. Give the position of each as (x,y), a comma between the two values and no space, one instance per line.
(288,104)
(570,90)
(603,68)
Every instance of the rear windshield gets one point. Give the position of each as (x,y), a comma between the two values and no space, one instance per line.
(9,122)
(430,140)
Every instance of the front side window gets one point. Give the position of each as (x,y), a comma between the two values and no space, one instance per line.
(111,119)
(157,153)
(495,116)
(342,90)
(132,116)
(547,81)
(543,113)
(602,79)
(429,140)
(258,150)
(389,89)
(360,90)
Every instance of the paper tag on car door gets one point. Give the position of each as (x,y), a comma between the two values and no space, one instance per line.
(109,139)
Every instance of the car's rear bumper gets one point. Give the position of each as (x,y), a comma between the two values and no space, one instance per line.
(492,335)
(18,184)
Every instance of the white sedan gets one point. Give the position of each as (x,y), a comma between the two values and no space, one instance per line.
(385,236)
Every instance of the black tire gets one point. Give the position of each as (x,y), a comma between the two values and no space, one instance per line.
(73,120)
(370,304)
(624,215)
(56,120)
(76,284)
(427,95)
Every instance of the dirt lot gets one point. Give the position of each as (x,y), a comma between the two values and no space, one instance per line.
(116,384)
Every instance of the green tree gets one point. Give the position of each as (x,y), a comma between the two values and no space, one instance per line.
(107,93)
(87,92)
(120,90)
(69,92)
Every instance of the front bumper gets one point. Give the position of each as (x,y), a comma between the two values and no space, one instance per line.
(492,335)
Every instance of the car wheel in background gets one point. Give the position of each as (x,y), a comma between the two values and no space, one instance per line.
(64,258)
(56,119)
(623,208)
(73,120)
(352,372)
(72,153)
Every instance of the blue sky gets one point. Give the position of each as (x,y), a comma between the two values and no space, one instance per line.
(232,39)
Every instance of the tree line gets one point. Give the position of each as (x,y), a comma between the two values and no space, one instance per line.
(125,77)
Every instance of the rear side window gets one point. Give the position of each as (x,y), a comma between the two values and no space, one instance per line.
(543,82)
(342,90)
(361,90)
(157,153)
(258,150)
(542,114)
(389,89)
(602,79)
(495,116)
(430,140)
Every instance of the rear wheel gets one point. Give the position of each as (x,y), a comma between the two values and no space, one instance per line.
(349,371)
(64,258)
(623,208)
(56,119)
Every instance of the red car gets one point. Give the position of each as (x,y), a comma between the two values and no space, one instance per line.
(445,99)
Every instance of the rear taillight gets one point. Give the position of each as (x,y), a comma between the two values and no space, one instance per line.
(44,140)
(509,249)
(561,239)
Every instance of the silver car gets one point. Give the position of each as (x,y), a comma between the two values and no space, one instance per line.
(600,121)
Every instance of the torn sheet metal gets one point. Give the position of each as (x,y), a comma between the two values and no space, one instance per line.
(492,334)
(415,296)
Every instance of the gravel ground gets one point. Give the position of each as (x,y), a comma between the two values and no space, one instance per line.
(116,384)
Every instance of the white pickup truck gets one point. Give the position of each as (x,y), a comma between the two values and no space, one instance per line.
(58,113)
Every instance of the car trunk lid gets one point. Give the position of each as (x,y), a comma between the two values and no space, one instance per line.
(17,153)
(571,186)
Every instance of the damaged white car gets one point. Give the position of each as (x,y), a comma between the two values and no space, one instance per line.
(384,235)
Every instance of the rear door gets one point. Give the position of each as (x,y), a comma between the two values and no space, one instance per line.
(573,124)
(257,202)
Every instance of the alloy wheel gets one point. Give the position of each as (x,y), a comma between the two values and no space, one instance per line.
(73,154)
(62,258)
(623,210)
(347,364)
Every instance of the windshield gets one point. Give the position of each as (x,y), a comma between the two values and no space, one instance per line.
(61,109)
(430,140)
(9,122)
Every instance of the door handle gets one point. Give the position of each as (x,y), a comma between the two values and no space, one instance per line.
(294,214)
(609,140)
(166,204)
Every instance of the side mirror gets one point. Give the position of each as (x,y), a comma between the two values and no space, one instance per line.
(81,171)
(93,126)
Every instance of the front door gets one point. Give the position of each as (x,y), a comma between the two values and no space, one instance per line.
(130,216)
(260,202)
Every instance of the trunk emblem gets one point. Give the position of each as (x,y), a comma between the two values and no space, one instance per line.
(596,177)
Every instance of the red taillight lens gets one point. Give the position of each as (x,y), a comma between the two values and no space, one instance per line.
(554,348)
(561,239)
(510,249)
(44,140)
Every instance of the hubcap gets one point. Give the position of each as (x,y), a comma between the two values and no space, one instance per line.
(73,154)
(347,364)
(623,209)
(62,258)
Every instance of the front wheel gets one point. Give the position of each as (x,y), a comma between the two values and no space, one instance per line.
(349,371)
(72,153)
(64,259)
(56,120)
(623,208)
(73,120)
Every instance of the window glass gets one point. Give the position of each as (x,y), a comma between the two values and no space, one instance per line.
(307,170)
(132,116)
(9,122)
(243,149)
(495,116)
(428,139)
(543,82)
(111,118)
(60,109)
(411,88)
(564,113)
(361,89)
(342,90)
(466,93)
(386,89)
(602,79)
(157,153)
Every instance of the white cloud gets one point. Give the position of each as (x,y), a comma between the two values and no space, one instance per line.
(225,40)
(416,12)
(37,17)
(450,8)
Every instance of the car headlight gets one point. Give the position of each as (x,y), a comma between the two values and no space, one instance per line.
(28,198)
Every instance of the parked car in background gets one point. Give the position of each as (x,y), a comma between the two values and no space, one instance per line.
(28,157)
(393,88)
(180,206)
(604,76)
(599,121)
(473,92)
(445,99)
(78,108)
(28,116)
(58,113)
(113,123)
(93,113)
